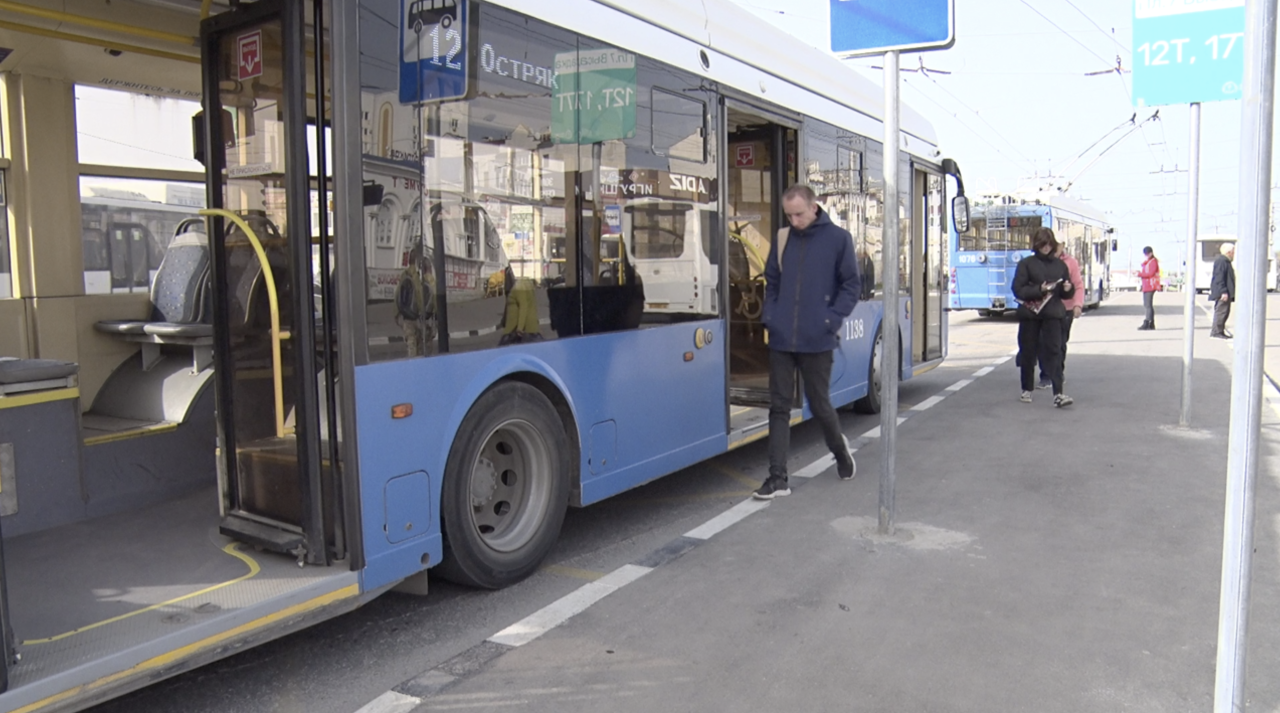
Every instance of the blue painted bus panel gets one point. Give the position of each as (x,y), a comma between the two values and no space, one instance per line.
(669,413)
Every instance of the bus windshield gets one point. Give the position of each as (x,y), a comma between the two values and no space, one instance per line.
(1016,236)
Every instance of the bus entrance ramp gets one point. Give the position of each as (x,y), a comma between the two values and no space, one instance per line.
(1047,560)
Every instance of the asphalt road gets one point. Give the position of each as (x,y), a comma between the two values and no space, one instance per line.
(343,664)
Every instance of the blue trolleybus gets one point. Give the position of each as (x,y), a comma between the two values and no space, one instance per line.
(983,257)
(431,304)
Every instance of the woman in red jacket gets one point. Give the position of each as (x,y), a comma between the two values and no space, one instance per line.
(1150,274)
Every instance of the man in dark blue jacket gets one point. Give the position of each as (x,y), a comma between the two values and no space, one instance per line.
(811,285)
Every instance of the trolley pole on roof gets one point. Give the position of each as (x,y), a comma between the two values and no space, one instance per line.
(891,359)
(1188,267)
(1258,110)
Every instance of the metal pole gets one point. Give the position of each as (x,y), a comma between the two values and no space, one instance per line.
(1189,274)
(1257,112)
(891,359)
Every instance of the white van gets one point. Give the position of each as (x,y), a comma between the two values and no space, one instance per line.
(1208,247)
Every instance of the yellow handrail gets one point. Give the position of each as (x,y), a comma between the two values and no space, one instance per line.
(277,371)
(751,249)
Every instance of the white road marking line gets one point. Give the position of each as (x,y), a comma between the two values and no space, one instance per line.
(721,522)
(1002,360)
(579,600)
(875,432)
(816,468)
(575,602)
(391,702)
(928,403)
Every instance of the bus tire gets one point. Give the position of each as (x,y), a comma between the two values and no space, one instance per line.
(871,402)
(506,488)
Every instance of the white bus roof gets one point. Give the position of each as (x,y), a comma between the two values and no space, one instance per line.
(1052,199)
(737,40)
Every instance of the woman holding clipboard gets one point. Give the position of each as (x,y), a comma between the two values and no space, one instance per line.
(1040,283)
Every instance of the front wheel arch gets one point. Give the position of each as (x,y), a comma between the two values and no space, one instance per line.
(871,403)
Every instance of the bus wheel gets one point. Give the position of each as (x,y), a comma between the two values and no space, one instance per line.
(505,488)
(871,402)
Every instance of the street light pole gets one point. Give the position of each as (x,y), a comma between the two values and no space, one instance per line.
(891,358)
(1257,113)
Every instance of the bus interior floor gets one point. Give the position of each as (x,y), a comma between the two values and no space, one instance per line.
(141,583)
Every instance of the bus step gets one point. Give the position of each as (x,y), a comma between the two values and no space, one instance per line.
(749,397)
(257,534)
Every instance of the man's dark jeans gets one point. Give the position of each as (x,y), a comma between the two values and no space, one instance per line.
(1221,310)
(815,371)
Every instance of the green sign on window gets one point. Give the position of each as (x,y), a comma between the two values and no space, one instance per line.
(596,98)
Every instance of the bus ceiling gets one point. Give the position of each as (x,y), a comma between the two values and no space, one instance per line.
(140,46)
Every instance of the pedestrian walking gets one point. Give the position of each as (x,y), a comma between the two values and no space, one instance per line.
(1150,274)
(1040,283)
(1074,306)
(1222,290)
(811,285)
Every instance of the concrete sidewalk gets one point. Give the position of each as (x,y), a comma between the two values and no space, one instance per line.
(1047,560)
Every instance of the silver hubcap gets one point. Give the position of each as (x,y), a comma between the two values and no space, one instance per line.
(509,487)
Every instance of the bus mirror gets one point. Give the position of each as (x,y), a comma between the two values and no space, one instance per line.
(960,213)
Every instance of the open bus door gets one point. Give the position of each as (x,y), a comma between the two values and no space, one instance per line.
(277,467)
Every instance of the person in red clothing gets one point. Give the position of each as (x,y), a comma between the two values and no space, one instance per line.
(1074,306)
(1150,274)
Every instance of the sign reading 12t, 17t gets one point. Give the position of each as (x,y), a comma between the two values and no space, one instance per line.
(1187,51)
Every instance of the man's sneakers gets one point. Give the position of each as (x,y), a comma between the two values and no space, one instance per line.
(1062,400)
(1044,384)
(1025,397)
(774,487)
(1220,335)
(846,467)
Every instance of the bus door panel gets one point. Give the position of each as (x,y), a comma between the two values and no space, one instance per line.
(929,267)
(264,286)
(761,158)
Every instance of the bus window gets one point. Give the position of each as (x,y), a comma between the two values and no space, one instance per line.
(657,230)
(678,126)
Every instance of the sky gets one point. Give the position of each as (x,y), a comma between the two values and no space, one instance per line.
(1018,107)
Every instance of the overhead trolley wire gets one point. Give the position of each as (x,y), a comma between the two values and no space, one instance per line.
(1082,44)
(980,118)
(965,125)
(1090,19)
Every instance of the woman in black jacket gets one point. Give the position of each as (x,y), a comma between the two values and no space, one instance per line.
(1040,283)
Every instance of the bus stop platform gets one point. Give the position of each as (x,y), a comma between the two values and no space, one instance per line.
(1045,560)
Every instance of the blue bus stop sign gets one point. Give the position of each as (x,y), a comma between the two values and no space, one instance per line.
(1187,51)
(860,27)
(433,50)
